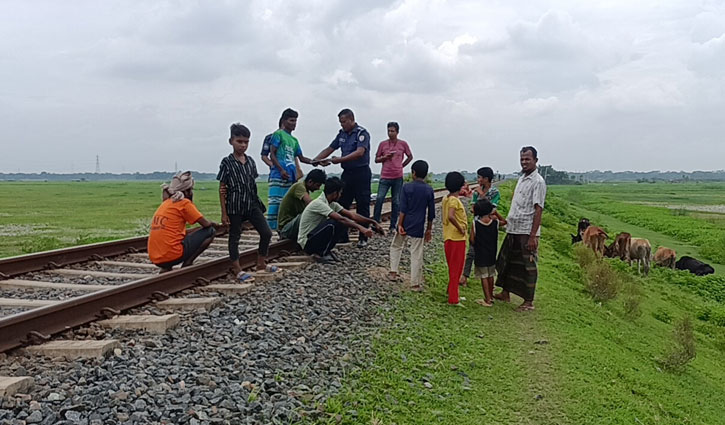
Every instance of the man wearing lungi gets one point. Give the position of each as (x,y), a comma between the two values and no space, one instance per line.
(516,263)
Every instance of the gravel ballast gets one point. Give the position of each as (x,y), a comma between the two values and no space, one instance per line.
(272,355)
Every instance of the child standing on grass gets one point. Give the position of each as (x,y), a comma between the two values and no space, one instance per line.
(485,190)
(454,233)
(416,197)
(484,239)
(240,201)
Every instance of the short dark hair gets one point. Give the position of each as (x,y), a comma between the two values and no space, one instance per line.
(486,173)
(316,176)
(288,113)
(482,207)
(454,181)
(239,130)
(421,168)
(346,113)
(394,125)
(333,184)
(530,149)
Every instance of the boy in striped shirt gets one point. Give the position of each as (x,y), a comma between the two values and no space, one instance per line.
(240,201)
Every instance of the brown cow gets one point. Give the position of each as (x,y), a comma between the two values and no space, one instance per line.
(665,257)
(620,247)
(594,237)
(640,251)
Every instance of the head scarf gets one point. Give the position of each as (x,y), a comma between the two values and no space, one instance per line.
(179,183)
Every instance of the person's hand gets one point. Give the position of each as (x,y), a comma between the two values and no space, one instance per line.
(378,228)
(428,236)
(335,160)
(325,162)
(367,232)
(225,220)
(503,222)
(285,175)
(533,243)
(401,230)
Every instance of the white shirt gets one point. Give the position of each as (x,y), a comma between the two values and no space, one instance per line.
(530,191)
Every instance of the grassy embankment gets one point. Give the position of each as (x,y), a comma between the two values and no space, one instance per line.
(665,213)
(572,361)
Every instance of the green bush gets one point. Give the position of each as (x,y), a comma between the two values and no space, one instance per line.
(601,281)
(584,255)
(632,301)
(682,350)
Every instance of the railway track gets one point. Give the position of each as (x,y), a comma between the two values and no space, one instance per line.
(100,281)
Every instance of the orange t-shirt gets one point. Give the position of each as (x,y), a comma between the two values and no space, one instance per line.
(168,229)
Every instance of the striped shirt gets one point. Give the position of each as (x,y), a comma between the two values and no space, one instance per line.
(241,185)
(530,191)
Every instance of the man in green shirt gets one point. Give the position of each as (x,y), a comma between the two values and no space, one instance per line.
(324,220)
(295,201)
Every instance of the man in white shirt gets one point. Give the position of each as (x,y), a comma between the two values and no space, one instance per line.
(517,260)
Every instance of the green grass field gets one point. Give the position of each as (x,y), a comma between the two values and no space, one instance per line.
(572,361)
(38,216)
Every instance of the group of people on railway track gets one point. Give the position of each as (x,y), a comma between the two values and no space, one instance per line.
(319,224)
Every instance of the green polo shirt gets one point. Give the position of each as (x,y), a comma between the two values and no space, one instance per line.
(315,213)
(292,204)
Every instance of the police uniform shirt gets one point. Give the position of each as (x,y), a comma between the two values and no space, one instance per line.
(349,142)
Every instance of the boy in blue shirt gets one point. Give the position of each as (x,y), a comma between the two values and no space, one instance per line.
(415,198)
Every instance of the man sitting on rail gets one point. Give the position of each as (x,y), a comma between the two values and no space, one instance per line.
(295,201)
(169,244)
(324,220)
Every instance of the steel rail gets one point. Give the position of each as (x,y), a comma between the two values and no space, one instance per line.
(13,266)
(40,324)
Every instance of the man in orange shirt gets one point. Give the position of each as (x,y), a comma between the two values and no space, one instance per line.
(169,244)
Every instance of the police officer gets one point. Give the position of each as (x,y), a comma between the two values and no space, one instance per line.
(354,144)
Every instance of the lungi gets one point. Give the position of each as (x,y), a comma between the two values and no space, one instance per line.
(516,267)
(277,189)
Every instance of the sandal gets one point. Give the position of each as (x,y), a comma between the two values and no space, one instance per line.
(271,268)
(524,308)
(393,277)
(244,277)
(416,288)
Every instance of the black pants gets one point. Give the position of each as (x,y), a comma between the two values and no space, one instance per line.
(191,244)
(259,222)
(324,237)
(357,188)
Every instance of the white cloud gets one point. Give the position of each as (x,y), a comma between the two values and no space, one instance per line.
(469,82)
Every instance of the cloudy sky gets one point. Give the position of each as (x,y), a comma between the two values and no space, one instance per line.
(593,85)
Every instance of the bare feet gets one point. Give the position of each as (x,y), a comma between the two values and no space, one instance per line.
(463,281)
(484,303)
(416,288)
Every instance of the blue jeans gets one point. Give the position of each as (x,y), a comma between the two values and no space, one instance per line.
(395,185)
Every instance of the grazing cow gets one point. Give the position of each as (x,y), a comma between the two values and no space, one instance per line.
(620,247)
(640,251)
(595,237)
(583,224)
(665,257)
(694,266)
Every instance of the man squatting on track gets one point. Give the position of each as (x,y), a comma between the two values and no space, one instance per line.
(240,202)
(169,244)
(295,201)
(324,220)
(517,260)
